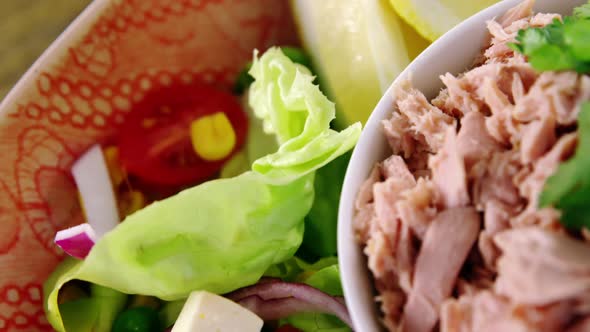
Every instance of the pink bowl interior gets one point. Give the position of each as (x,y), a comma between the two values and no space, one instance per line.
(77,93)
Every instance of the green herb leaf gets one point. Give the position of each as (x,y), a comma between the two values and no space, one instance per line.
(577,38)
(569,188)
(561,45)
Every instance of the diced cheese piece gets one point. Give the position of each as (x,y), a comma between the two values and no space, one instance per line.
(204,312)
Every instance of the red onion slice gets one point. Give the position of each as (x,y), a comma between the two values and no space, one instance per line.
(76,241)
(96,190)
(276,300)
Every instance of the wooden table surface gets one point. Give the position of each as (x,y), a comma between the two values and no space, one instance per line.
(27,28)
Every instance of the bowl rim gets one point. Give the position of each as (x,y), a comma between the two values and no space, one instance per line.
(423,72)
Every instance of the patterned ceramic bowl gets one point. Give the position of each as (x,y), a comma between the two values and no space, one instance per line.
(112,56)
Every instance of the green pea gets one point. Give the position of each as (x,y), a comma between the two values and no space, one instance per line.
(139,319)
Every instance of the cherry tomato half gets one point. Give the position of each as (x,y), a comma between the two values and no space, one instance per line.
(155,143)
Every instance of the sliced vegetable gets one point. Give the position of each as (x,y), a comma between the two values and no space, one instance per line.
(139,319)
(224,234)
(278,300)
(156,145)
(92,178)
(76,241)
(327,279)
(323,275)
(204,311)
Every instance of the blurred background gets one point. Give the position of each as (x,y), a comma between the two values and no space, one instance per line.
(27,27)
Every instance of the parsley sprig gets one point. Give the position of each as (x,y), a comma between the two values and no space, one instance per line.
(568,189)
(561,45)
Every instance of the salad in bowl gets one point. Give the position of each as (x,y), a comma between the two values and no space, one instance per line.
(139,114)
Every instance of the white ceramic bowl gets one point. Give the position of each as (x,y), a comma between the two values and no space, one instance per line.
(454,52)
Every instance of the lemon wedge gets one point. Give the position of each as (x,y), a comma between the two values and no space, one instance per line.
(357,47)
(432,18)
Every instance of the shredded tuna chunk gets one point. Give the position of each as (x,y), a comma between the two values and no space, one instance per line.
(537,137)
(489,312)
(474,142)
(523,10)
(496,219)
(392,302)
(539,267)
(451,224)
(425,123)
(416,210)
(448,239)
(492,180)
(448,173)
(530,186)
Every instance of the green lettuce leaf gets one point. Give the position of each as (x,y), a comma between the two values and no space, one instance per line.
(319,238)
(258,144)
(94,313)
(296,269)
(299,114)
(224,234)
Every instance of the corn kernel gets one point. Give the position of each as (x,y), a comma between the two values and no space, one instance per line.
(213,137)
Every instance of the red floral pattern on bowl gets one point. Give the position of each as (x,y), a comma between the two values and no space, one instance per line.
(77,94)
